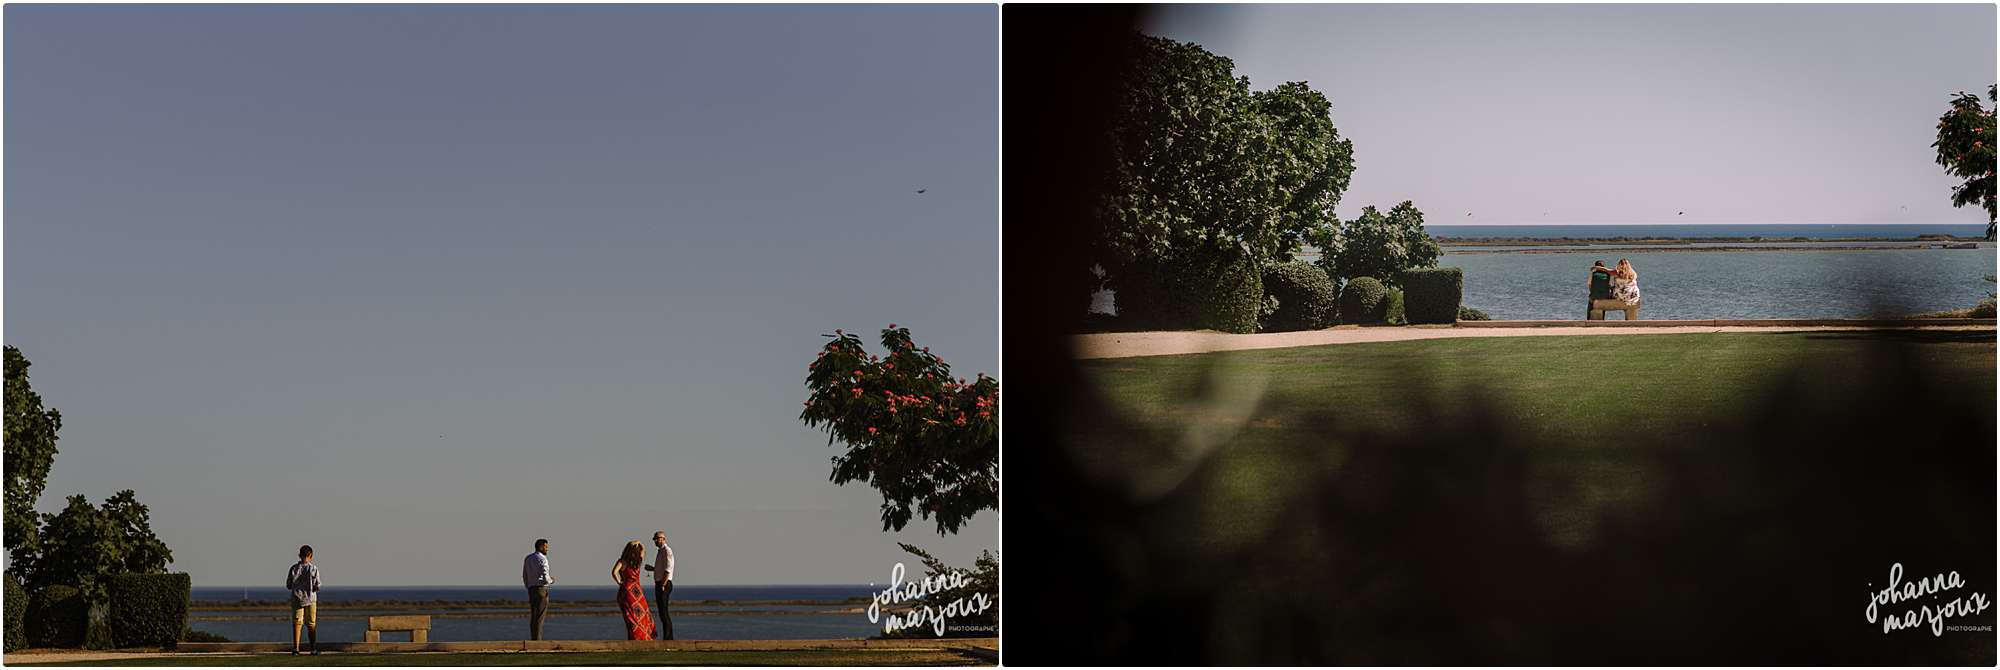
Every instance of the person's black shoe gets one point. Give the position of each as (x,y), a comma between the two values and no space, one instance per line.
(295,652)
(315,651)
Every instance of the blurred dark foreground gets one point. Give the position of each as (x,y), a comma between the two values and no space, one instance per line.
(1764,544)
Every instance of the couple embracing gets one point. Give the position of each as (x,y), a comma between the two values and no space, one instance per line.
(1613,288)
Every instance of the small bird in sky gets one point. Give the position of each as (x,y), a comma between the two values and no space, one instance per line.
(921,191)
(1679,213)
(1468,213)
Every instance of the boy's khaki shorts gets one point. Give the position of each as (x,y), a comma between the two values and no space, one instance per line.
(306,615)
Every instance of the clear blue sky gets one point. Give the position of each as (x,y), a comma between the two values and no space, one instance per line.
(1626,113)
(417,285)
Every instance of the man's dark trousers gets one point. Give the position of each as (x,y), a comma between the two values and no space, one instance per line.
(660,592)
(538,609)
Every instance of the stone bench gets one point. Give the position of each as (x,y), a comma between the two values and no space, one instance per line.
(417,625)
(1599,306)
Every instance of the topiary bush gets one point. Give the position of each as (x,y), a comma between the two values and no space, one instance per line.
(57,617)
(1470,314)
(1432,294)
(1394,313)
(149,610)
(17,609)
(1223,291)
(1307,298)
(1365,301)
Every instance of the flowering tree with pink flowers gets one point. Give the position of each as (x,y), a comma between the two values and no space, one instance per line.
(928,441)
(1965,149)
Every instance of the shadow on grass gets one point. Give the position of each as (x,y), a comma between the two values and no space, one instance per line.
(1905,336)
(1756,534)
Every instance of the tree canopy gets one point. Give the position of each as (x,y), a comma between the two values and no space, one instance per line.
(1202,162)
(30,451)
(930,444)
(1965,149)
(1378,245)
(84,545)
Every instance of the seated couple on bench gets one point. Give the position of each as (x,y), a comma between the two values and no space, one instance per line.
(1613,289)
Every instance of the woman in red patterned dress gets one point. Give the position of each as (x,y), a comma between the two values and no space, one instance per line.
(631,595)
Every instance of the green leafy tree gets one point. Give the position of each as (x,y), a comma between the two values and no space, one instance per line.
(1965,149)
(1201,163)
(31,450)
(930,444)
(144,553)
(1378,245)
(84,545)
(80,547)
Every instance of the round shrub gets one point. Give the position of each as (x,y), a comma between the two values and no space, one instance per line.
(1433,293)
(1364,301)
(57,617)
(1223,291)
(17,609)
(1307,298)
(1470,314)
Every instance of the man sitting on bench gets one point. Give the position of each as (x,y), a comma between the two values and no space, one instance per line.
(1600,289)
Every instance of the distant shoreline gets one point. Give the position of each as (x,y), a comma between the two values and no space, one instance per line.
(1566,245)
(1668,249)
(1499,241)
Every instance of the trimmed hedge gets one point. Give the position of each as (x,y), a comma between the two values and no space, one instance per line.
(1432,294)
(1225,292)
(1364,301)
(149,610)
(17,609)
(1307,297)
(57,617)
(1470,314)
(1394,314)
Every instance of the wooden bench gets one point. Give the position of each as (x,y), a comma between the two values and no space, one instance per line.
(418,626)
(1599,306)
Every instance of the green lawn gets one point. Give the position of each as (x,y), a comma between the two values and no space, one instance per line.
(1590,407)
(868,657)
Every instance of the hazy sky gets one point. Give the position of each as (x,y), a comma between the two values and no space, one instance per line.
(417,285)
(1626,113)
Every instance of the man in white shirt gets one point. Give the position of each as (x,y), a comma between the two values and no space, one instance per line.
(535,575)
(663,581)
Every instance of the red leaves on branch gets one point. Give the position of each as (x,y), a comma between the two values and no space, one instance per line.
(908,428)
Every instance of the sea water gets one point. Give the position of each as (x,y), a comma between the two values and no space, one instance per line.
(1734,285)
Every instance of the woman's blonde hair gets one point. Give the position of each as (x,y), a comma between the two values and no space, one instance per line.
(635,554)
(1625,268)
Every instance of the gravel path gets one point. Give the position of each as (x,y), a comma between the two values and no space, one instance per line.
(1126,345)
